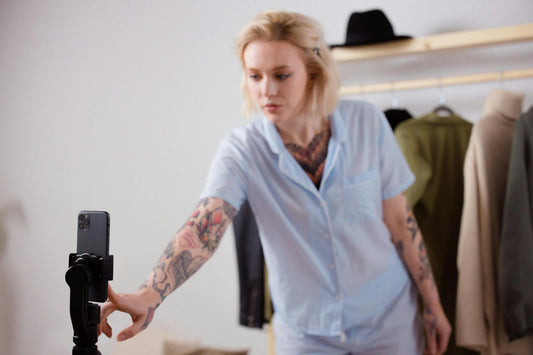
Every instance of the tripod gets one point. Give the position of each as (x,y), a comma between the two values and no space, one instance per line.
(84,270)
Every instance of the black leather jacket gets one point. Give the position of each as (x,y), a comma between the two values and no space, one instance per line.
(251,265)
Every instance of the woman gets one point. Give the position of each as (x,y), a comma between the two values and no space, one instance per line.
(325,181)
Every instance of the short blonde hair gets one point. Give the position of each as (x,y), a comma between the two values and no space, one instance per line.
(307,35)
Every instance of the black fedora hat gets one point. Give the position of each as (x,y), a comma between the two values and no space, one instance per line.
(368,27)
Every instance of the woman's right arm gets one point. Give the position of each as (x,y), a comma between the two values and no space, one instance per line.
(190,248)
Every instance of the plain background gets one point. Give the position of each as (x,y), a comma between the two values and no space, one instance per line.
(120,106)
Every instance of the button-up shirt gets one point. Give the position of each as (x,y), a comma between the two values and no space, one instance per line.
(332,264)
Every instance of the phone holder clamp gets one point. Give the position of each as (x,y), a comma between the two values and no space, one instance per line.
(85,315)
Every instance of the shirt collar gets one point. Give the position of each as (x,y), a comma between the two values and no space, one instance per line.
(338,133)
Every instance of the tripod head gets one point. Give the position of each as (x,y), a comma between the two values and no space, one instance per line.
(84,269)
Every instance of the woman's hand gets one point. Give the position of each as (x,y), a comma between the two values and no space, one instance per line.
(139,305)
(438,330)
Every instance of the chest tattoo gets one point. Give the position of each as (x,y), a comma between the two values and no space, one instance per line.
(313,158)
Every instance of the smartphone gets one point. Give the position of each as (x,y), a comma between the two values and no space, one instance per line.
(93,238)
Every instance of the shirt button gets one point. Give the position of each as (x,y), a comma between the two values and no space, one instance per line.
(327,236)
(343,337)
(337,297)
(332,266)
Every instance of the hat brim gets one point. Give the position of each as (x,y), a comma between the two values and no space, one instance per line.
(365,41)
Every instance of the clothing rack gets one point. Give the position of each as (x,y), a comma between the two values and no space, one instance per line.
(437,43)
(437,82)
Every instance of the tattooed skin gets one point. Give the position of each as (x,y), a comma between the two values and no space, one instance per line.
(408,240)
(160,282)
(313,158)
(412,226)
(430,320)
(425,266)
(193,244)
(189,240)
(399,247)
(149,317)
(169,250)
(210,225)
(183,266)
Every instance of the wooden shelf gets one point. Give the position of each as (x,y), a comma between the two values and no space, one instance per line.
(435,43)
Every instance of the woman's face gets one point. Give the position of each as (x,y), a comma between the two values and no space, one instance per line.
(276,79)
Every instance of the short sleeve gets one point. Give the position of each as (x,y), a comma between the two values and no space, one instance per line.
(396,176)
(226,178)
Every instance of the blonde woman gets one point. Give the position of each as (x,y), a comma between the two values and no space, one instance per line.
(325,180)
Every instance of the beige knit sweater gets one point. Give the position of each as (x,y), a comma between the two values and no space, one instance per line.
(479,321)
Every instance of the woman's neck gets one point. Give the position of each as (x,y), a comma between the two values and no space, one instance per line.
(302,132)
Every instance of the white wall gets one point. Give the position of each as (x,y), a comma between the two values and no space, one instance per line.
(120,105)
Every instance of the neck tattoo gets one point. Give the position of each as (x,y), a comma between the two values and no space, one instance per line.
(313,157)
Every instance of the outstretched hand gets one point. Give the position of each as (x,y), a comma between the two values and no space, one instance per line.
(136,304)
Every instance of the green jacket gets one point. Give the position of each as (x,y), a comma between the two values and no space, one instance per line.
(435,147)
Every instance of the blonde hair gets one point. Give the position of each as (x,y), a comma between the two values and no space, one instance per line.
(307,35)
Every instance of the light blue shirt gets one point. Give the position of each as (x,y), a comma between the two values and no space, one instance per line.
(331,262)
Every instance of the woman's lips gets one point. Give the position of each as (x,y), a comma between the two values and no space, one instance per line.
(271,107)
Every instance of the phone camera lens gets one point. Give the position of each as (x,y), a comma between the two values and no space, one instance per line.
(84,221)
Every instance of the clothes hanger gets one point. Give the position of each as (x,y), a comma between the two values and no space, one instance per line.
(396,115)
(442,109)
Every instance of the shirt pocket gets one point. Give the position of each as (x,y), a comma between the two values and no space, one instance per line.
(362,195)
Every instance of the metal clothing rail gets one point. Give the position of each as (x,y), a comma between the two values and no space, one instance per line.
(437,82)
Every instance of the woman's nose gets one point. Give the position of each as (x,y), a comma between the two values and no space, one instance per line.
(269,87)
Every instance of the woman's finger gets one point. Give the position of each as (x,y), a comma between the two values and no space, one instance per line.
(431,345)
(131,331)
(443,338)
(104,326)
(114,298)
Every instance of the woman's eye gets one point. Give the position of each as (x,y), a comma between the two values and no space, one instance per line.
(283,76)
(253,76)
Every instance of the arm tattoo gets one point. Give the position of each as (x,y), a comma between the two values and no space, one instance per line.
(202,231)
(160,282)
(412,226)
(425,266)
(149,316)
(209,225)
(180,268)
(183,266)
(430,320)
(399,247)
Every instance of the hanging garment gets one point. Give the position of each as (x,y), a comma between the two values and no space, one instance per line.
(516,245)
(479,319)
(395,116)
(251,266)
(435,147)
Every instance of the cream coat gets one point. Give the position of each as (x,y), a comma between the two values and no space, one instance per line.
(479,320)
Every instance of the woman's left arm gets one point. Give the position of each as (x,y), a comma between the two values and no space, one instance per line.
(407,238)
